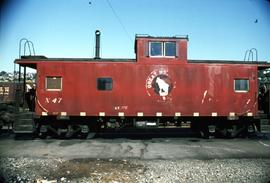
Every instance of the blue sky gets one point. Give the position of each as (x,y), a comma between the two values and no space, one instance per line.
(218,29)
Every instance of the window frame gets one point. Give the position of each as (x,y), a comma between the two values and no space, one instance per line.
(104,78)
(150,46)
(163,49)
(49,89)
(241,91)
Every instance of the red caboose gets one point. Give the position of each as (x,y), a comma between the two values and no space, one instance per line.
(159,88)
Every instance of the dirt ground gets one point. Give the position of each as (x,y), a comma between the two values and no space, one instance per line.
(115,160)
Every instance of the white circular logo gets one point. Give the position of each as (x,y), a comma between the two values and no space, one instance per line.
(159,84)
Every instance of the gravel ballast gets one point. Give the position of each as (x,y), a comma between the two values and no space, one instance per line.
(26,169)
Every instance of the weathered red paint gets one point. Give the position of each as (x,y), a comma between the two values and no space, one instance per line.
(203,88)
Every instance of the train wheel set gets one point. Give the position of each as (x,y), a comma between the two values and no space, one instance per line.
(80,128)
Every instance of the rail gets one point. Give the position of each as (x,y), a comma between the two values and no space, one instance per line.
(249,55)
(26,43)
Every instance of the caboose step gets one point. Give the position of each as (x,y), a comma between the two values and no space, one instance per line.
(263,115)
(23,123)
(24,115)
(23,126)
(265,128)
(23,129)
(265,121)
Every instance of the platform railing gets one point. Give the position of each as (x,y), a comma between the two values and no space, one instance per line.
(250,53)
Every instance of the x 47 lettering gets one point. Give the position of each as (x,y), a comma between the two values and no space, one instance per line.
(56,100)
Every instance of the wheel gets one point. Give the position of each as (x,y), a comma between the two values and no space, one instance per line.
(204,132)
(42,135)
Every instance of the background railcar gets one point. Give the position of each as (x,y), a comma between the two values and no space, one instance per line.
(159,88)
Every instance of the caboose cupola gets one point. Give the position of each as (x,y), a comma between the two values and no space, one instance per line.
(161,49)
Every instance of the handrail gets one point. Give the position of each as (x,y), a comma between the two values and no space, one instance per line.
(250,53)
(26,43)
(20,45)
(256,51)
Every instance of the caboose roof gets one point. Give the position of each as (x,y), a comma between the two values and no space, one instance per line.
(161,37)
(43,58)
(228,62)
(30,60)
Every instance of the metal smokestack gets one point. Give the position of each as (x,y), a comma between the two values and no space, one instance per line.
(97,53)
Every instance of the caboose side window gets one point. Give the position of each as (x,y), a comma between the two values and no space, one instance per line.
(162,49)
(104,83)
(53,83)
(241,85)
(170,49)
(156,49)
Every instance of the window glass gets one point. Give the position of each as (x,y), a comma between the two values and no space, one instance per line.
(162,49)
(170,49)
(54,83)
(104,83)
(155,49)
(241,85)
